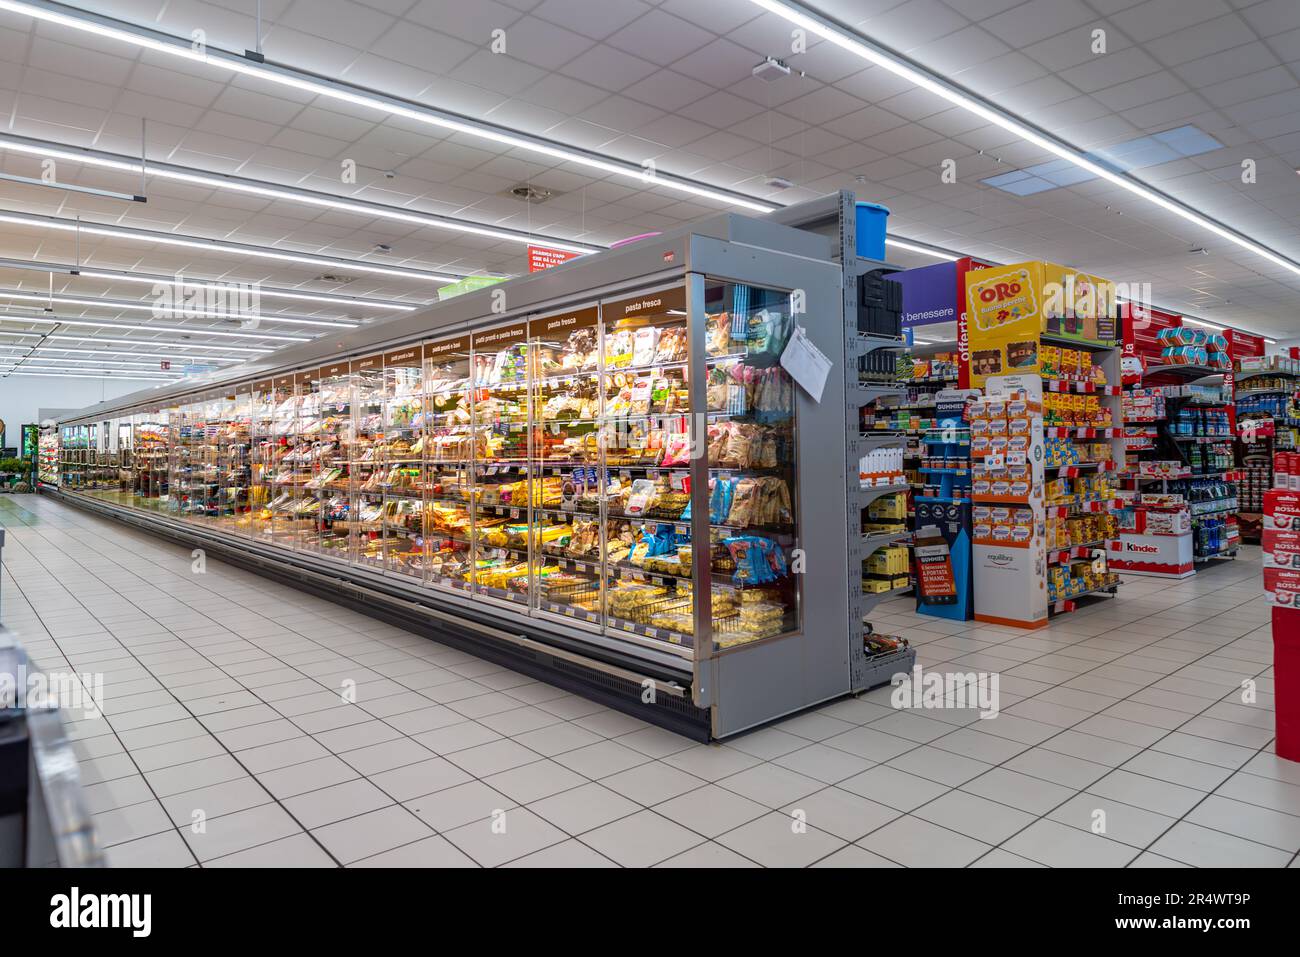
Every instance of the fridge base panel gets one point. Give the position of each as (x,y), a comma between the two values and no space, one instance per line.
(616,684)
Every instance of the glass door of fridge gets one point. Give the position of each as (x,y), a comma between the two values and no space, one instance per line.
(564,350)
(753,465)
(329,486)
(263,443)
(448,460)
(178,462)
(499,505)
(403,481)
(283,461)
(366,463)
(646,440)
(308,448)
(233,460)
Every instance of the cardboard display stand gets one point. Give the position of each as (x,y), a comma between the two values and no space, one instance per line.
(1008,551)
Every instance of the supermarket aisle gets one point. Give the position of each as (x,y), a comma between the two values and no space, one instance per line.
(223,707)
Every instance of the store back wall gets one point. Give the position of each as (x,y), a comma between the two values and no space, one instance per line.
(22,398)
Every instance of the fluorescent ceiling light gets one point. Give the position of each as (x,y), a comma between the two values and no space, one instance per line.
(125,365)
(183,48)
(190,330)
(123,352)
(923,250)
(152,343)
(72,368)
(149,279)
(214,245)
(270,293)
(847,40)
(87,375)
(185,312)
(209,180)
(1206,325)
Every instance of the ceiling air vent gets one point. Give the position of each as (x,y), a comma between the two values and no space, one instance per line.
(529,193)
(335,279)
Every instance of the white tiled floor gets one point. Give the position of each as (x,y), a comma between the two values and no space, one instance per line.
(222,700)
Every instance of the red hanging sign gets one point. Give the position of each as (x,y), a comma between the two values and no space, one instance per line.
(540,257)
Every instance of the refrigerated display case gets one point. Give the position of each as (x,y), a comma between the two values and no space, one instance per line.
(613,482)
(47,461)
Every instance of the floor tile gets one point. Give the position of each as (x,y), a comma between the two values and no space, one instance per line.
(583,808)
(336,802)
(504,837)
(1203,847)
(641,839)
(711,810)
(913,842)
(370,833)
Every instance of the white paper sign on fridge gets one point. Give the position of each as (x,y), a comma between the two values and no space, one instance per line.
(807,364)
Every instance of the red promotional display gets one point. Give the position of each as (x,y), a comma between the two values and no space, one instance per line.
(1281,544)
(540,257)
(964,265)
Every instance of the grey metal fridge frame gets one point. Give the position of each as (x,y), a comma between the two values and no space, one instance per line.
(718,691)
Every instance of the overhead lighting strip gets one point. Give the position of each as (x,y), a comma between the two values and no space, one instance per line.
(70,368)
(150,308)
(149,279)
(214,245)
(154,343)
(239,184)
(111,364)
(183,48)
(853,42)
(100,324)
(117,354)
(88,375)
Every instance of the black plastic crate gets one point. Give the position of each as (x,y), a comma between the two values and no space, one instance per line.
(875,288)
(879,321)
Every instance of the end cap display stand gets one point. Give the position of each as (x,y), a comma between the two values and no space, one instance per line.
(1281,543)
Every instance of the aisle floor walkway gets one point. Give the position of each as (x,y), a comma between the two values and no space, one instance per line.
(225,740)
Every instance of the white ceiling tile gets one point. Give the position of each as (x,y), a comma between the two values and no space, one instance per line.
(719,64)
(1037,20)
(1147,89)
(914,23)
(1251,87)
(1156,18)
(596,20)
(1273,16)
(659,37)
(543,44)
(668,90)
(608,69)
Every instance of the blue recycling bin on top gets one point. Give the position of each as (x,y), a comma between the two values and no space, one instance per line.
(872,222)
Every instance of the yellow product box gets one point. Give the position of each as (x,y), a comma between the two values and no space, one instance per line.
(902,581)
(1010,307)
(888,506)
(876,586)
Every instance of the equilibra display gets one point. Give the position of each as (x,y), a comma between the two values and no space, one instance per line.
(614,483)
